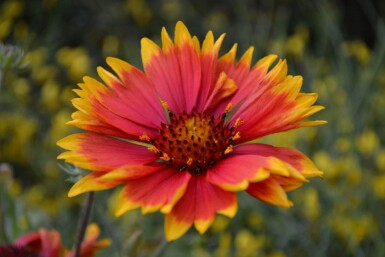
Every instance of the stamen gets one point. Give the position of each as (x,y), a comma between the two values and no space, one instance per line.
(153,149)
(165,157)
(144,137)
(229,149)
(236,136)
(238,122)
(228,107)
(165,105)
(189,161)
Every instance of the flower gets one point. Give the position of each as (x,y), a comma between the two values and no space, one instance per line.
(46,243)
(16,251)
(180,135)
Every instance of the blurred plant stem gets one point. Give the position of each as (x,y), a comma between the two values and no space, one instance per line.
(3,235)
(6,202)
(159,250)
(83,222)
(1,78)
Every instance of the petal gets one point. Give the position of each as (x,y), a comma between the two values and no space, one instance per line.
(279,107)
(51,243)
(46,243)
(292,157)
(288,170)
(135,86)
(182,35)
(167,43)
(248,81)
(89,245)
(264,63)
(87,118)
(175,72)
(235,173)
(148,50)
(158,191)
(198,205)
(110,106)
(247,57)
(269,191)
(99,152)
(175,228)
(167,84)
(210,85)
(223,88)
(97,181)
(32,240)
(91,123)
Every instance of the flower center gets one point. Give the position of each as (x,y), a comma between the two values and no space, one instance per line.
(194,142)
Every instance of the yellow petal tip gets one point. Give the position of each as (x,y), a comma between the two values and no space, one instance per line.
(203,225)
(148,50)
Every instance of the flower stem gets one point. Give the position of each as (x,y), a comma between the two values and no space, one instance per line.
(3,235)
(159,250)
(1,78)
(83,222)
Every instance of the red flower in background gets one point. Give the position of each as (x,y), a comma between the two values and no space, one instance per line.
(46,243)
(17,251)
(180,135)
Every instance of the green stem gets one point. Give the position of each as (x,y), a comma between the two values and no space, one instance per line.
(1,78)
(159,250)
(3,235)
(83,222)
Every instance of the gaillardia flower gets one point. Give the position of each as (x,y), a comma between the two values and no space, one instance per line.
(45,243)
(180,134)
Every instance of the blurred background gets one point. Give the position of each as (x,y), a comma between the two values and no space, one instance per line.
(337,46)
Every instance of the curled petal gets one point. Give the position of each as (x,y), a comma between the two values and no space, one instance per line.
(292,157)
(269,191)
(288,169)
(236,172)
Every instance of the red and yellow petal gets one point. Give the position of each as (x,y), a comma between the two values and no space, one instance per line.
(279,107)
(293,157)
(236,172)
(86,118)
(211,81)
(91,123)
(269,191)
(223,89)
(248,80)
(46,243)
(103,153)
(97,181)
(198,206)
(109,107)
(159,191)
(195,79)
(288,169)
(134,85)
(90,245)
(180,89)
